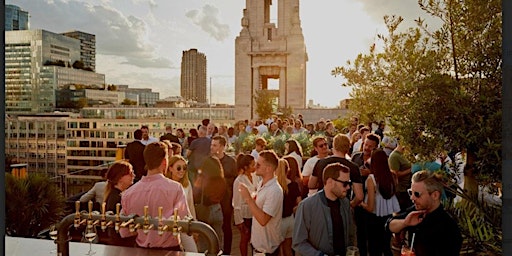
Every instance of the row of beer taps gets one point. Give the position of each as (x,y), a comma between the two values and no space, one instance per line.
(107,219)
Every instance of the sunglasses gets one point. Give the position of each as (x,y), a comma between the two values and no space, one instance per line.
(347,183)
(415,193)
(180,167)
(322,145)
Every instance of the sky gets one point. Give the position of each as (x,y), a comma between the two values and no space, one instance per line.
(140,42)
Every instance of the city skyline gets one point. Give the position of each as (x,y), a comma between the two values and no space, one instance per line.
(139,42)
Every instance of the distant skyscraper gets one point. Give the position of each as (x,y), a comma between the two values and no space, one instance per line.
(87,47)
(15,18)
(193,76)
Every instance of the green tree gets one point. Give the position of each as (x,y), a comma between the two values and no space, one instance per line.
(128,102)
(440,89)
(263,100)
(78,64)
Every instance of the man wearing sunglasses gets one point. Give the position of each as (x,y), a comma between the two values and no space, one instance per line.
(323,222)
(435,232)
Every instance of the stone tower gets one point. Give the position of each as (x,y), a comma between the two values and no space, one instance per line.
(265,50)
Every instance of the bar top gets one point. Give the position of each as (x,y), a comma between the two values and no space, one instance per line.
(19,246)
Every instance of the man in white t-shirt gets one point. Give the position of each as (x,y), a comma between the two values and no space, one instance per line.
(322,149)
(266,207)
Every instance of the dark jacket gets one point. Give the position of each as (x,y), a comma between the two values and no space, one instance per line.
(170,137)
(134,152)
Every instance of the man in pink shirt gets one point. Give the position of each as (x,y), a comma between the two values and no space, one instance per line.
(155,190)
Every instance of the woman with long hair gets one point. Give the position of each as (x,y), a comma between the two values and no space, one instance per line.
(353,139)
(294,173)
(177,171)
(291,200)
(293,148)
(242,214)
(119,177)
(209,189)
(381,202)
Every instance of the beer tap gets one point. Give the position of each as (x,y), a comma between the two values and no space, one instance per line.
(76,222)
(147,226)
(89,218)
(161,227)
(175,228)
(117,224)
(103,217)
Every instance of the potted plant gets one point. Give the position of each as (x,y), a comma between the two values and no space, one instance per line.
(32,204)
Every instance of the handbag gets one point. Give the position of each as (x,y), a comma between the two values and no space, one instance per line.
(202,210)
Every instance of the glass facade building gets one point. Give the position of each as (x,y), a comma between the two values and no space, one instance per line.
(15,18)
(37,62)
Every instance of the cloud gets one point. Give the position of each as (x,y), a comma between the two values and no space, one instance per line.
(116,33)
(408,9)
(208,20)
(150,63)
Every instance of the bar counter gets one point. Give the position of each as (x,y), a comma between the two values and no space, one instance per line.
(19,246)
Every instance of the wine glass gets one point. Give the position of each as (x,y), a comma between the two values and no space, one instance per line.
(53,235)
(90,235)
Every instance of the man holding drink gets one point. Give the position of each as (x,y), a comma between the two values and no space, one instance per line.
(431,230)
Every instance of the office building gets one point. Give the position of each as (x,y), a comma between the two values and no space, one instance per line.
(87,47)
(37,62)
(193,76)
(15,18)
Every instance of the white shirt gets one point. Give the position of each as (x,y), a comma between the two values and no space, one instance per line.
(262,129)
(255,154)
(269,198)
(309,166)
(149,141)
(297,158)
(357,146)
(241,209)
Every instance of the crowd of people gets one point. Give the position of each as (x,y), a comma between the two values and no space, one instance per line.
(356,189)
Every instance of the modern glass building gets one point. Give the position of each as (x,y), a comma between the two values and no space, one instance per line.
(87,47)
(37,62)
(15,18)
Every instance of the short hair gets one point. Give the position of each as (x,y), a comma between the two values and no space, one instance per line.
(154,153)
(144,127)
(168,127)
(341,143)
(433,182)
(221,139)
(374,137)
(364,129)
(318,139)
(333,171)
(260,141)
(137,134)
(202,129)
(270,157)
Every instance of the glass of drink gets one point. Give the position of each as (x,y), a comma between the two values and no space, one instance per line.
(407,251)
(90,235)
(53,235)
(352,251)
